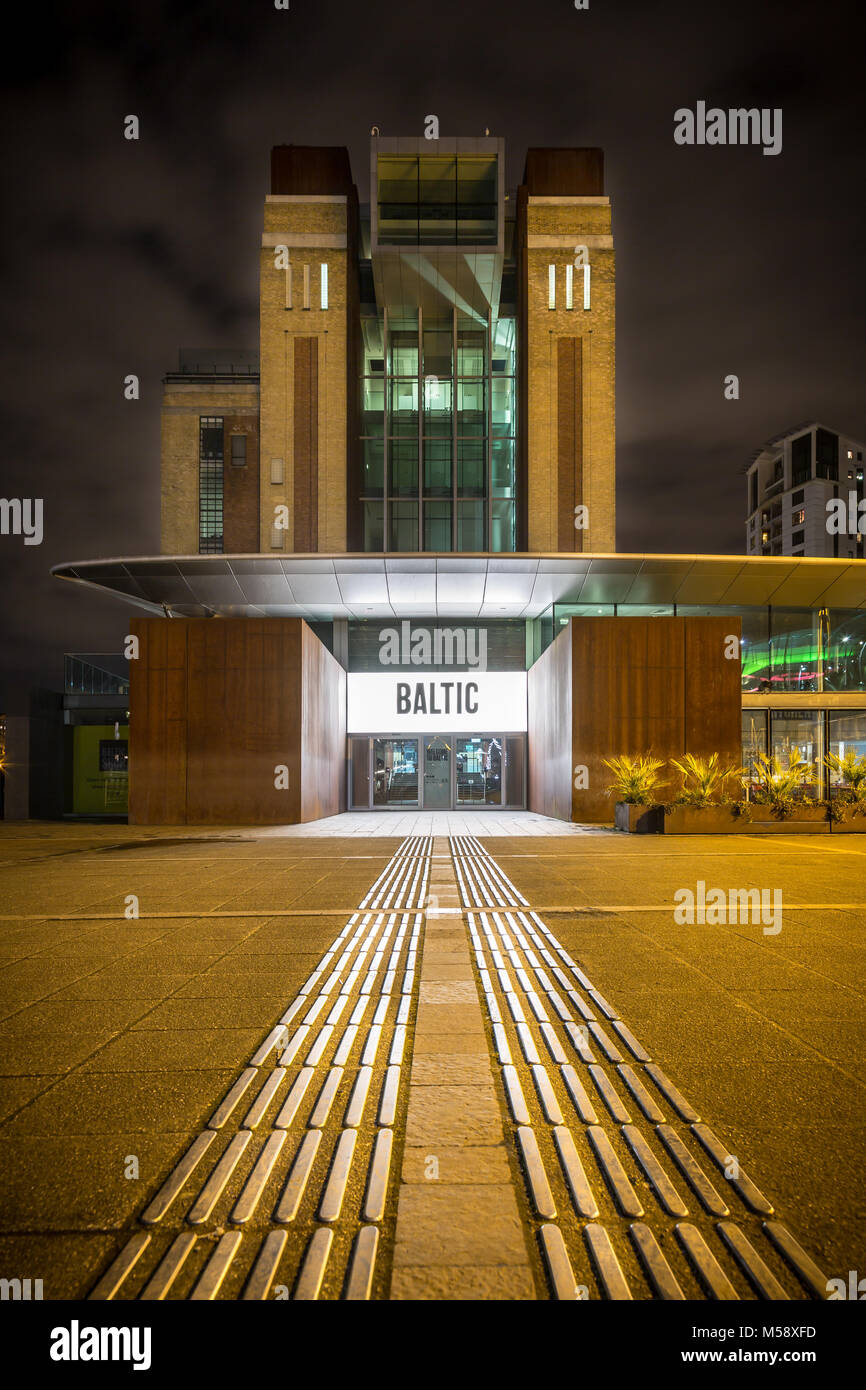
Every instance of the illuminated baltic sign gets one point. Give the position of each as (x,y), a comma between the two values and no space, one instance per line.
(459,702)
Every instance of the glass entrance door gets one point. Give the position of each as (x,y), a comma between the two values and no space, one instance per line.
(437,774)
(395,772)
(479,771)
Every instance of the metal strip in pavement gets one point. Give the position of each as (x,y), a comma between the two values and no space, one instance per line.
(692,1171)
(630,1041)
(292,1102)
(176,1178)
(255,1184)
(805,1268)
(578,1183)
(606,1090)
(705,1263)
(377,1182)
(322,1108)
(549,1103)
(579,1035)
(610,1051)
(168,1268)
(226,1106)
(258,1286)
(388,1100)
(671,1094)
(606,1263)
(120,1267)
(554,1046)
(358,1099)
(661,1184)
(558,1264)
(312,1273)
(751,1195)
(626,1197)
(660,1274)
(503,1051)
(216,1183)
(335,1189)
(527,1044)
(750,1262)
(212,1276)
(641,1094)
(257,1110)
(359,1280)
(292,1194)
(579,1096)
(539,1187)
(516,1098)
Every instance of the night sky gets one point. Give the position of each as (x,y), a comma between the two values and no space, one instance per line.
(116,253)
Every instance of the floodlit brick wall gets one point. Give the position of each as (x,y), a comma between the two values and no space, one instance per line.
(183,404)
(316,228)
(567,373)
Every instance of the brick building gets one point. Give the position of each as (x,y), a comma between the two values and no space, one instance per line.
(401,509)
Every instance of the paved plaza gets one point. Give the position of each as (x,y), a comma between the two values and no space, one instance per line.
(427,1056)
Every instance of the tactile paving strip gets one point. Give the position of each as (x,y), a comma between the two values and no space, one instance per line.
(284,1192)
(626,1187)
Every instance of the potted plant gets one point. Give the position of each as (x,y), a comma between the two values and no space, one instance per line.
(779,800)
(847,802)
(636,782)
(704,804)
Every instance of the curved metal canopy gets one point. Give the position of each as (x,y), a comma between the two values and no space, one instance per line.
(321,587)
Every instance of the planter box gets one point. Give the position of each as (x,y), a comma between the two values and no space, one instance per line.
(639,820)
(721,820)
(851,825)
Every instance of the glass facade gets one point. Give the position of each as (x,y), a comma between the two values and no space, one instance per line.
(437,772)
(800,650)
(439,425)
(437,200)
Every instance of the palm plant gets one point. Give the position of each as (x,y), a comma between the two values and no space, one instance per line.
(704,779)
(636,777)
(851,772)
(778,785)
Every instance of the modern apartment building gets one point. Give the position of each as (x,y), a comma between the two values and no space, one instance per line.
(795,484)
(388,574)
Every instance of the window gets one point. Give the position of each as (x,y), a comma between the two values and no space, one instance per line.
(827,455)
(210,485)
(586,275)
(797,498)
(239,451)
(437,199)
(113,755)
(551,287)
(799,517)
(306,287)
(801,459)
(324,285)
(569,287)
(799,733)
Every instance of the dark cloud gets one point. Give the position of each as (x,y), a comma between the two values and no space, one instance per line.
(114,253)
